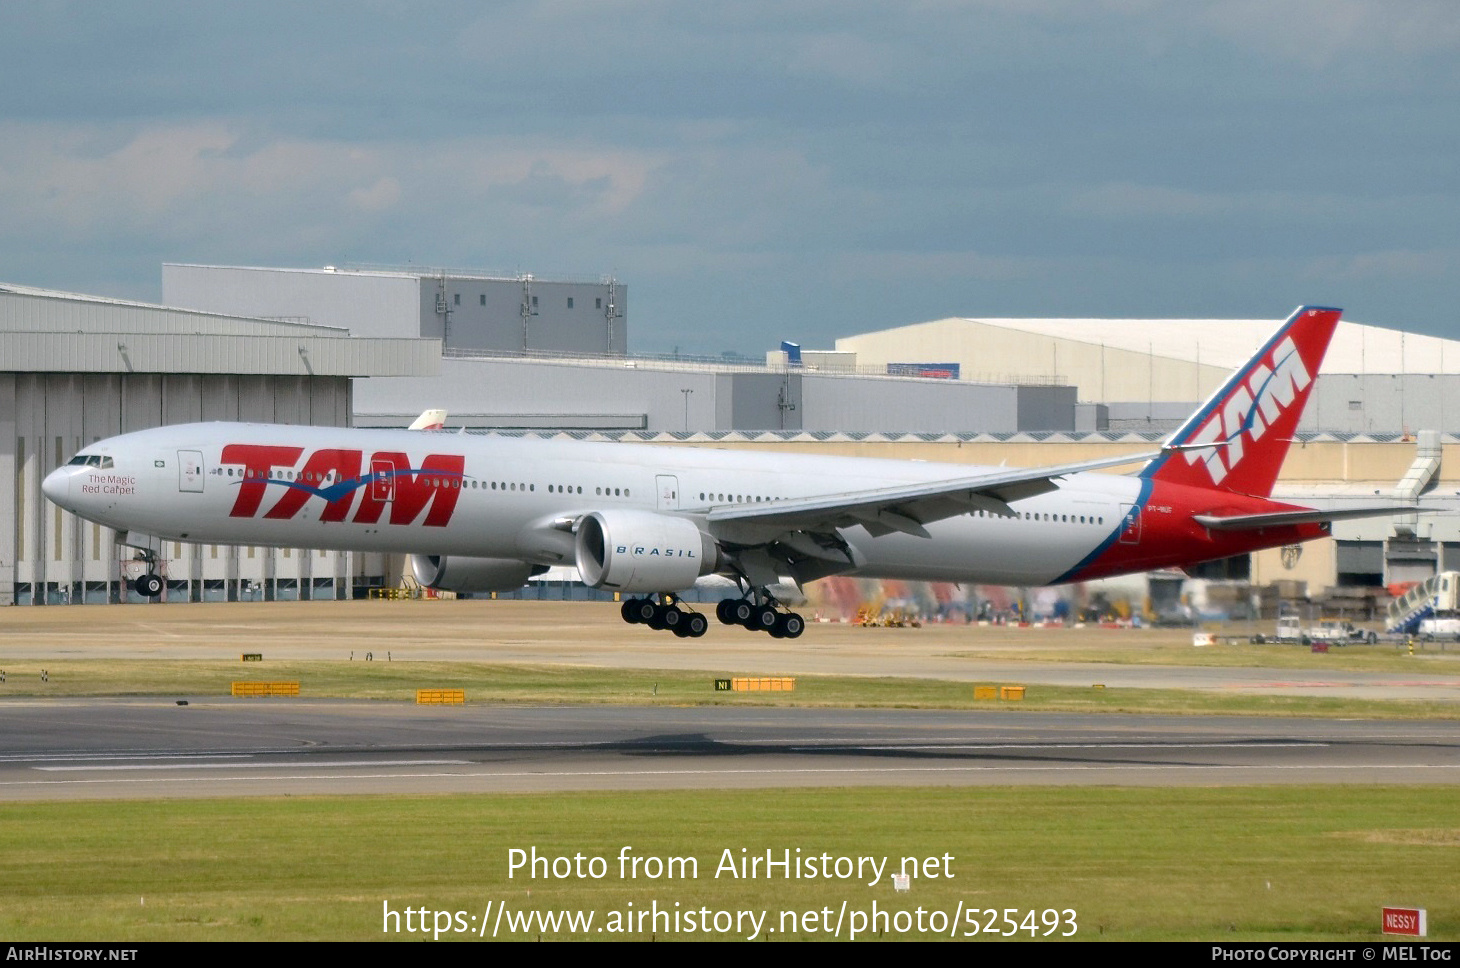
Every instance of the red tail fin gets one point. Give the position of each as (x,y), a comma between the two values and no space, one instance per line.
(1251,419)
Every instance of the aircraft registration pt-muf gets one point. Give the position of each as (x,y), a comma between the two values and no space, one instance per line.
(486,513)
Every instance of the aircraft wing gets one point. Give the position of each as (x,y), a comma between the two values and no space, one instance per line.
(907,507)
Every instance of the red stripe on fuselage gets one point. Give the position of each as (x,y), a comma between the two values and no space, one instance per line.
(1169,538)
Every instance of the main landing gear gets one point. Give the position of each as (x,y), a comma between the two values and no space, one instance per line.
(668,612)
(664,612)
(763,617)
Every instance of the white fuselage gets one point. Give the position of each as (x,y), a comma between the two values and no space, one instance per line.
(515,498)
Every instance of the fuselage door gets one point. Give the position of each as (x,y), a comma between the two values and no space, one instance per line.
(1130,528)
(667,486)
(382,480)
(190,471)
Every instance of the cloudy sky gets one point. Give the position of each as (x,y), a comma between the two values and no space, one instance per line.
(756,170)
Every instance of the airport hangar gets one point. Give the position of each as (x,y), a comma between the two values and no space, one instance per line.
(374,347)
(77,368)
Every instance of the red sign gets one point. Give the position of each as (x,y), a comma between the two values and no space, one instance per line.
(1410,921)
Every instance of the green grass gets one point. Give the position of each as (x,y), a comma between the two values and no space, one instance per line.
(1238,863)
(538,684)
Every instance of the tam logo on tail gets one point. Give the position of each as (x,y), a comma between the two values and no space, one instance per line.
(1251,419)
(1253,407)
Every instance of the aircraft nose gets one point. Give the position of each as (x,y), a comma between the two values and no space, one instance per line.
(57,486)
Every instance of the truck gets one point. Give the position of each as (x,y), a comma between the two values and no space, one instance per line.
(1332,631)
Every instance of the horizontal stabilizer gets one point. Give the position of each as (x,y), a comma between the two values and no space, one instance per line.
(1274,519)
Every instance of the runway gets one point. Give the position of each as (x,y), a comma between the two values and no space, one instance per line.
(112,749)
(214,746)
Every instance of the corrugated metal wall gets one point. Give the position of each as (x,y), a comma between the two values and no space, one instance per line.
(49,556)
(464,311)
(509,393)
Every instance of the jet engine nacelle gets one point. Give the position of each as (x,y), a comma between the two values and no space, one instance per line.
(457,574)
(640,551)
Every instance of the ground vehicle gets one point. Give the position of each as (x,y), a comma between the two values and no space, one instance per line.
(1431,608)
(1328,631)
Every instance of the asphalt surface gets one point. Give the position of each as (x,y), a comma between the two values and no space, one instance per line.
(122,748)
(150,748)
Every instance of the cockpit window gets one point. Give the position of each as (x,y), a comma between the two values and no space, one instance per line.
(90,460)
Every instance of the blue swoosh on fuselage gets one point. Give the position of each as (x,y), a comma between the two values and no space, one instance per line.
(341,489)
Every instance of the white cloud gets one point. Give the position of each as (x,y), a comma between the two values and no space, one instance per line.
(56,173)
(53,174)
(384,194)
(1320,32)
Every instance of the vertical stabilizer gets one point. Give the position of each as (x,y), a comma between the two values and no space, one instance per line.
(1251,419)
(430,420)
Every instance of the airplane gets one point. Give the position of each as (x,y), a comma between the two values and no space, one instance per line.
(486,513)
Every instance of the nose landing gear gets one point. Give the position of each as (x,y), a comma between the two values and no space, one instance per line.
(148,585)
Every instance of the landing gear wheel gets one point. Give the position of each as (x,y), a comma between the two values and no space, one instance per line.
(695,624)
(790,625)
(148,586)
(630,611)
(644,609)
(764,618)
(742,612)
(725,611)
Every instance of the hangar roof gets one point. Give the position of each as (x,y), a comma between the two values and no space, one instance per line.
(1224,343)
(46,331)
